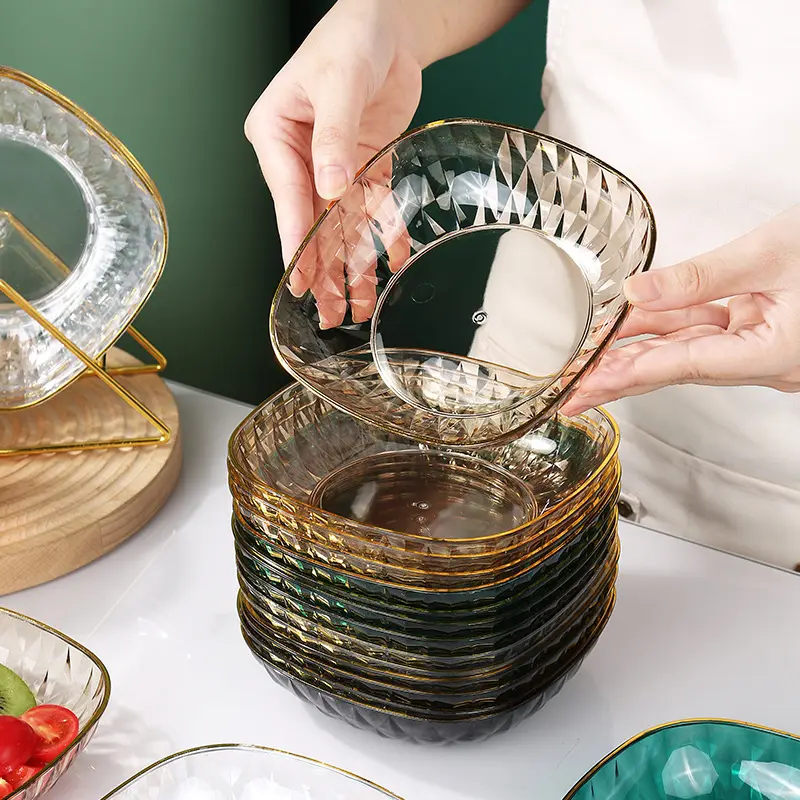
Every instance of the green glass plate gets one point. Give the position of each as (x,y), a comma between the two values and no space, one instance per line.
(467,633)
(709,759)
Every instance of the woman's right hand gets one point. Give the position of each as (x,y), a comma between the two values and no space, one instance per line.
(351,88)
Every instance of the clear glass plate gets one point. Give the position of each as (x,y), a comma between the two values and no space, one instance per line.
(241,772)
(466,281)
(83,236)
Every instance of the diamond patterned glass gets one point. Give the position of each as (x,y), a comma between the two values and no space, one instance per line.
(58,671)
(356,278)
(124,243)
(711,759)
(240,772)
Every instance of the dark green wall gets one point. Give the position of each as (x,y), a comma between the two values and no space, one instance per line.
(174,80)
(499,80)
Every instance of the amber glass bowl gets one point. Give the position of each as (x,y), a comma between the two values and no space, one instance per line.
(294,442)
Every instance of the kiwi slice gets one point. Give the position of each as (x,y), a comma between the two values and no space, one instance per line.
(15,696)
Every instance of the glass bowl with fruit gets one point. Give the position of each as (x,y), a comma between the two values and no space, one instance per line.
(53,692)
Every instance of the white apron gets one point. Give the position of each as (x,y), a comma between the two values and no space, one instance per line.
(697,101)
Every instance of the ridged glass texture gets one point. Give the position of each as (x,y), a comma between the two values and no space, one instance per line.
(284,448)
(430,728)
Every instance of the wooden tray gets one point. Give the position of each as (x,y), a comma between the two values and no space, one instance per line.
(59,512)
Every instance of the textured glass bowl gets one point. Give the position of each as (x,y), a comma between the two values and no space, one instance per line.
(122,259)
(426,660)
(414,572)
(242,772)
(381,624)
(708,758)
(283,449)
(429,728)
(58,671)
(319,542)
(452,179)
(425,591)
(483,693)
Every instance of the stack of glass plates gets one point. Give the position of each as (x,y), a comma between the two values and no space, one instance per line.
(421,592)
(425,548)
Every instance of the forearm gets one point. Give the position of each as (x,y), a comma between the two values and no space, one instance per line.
(435,29)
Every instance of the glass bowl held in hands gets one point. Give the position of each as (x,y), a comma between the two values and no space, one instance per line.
(520,241)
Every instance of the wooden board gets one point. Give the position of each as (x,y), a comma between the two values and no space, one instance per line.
(59,512)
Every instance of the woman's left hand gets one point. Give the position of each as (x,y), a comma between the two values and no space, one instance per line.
(752,339)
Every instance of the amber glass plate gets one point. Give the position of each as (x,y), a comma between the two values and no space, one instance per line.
(303,536)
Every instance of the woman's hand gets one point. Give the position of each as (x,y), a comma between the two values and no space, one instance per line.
(352,87)
(752,339)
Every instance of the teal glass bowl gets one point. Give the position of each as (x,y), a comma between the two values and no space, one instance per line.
(705,758)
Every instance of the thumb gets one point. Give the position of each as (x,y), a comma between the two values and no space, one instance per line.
(739,267)
(338,107)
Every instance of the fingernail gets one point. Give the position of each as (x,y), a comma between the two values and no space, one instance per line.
(642,288)
(332,182)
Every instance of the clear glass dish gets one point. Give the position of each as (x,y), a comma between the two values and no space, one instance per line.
(245,772)
(83,236)
(709,758)
(540,237)
(58,671)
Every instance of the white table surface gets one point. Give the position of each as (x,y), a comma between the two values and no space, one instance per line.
(695,633)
